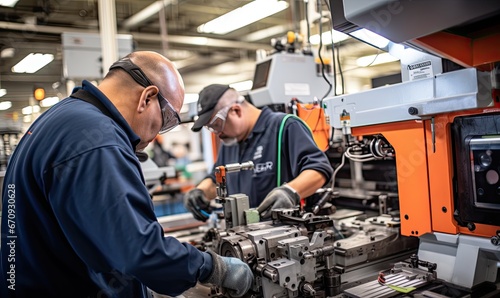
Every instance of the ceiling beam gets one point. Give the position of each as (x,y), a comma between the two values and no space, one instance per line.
(173,39)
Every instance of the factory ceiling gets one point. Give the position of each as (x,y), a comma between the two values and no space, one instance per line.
(36,26)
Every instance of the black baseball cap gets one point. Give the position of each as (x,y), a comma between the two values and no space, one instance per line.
(207,100)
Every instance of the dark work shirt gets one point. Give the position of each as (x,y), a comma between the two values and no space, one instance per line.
(298,153)
(77,219)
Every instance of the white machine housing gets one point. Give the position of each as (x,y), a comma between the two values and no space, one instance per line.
(283,76)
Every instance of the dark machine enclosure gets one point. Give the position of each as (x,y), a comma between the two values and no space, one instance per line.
(477,169)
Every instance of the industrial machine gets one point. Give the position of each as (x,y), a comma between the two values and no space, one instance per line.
(440,128)
(298,253)
(441,124)
(302,255)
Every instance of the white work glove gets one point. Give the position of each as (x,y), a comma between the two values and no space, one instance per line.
(196,203)
(281,197)
(231,274)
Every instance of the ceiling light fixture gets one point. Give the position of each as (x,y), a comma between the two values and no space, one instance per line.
(49,101)
(9,3)
(327,37)
(243,16)
(7,53)
(30,110)
(3,92)
(32,63)
(372,38)
(5,105)
(375,59)
(145,14)
(242,86)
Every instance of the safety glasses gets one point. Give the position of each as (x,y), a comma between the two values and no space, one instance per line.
(216,125)
(170,117)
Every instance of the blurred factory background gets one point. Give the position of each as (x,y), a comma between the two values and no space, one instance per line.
(168,26)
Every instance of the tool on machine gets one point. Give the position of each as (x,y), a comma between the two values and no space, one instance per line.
(327,197)
(234,206)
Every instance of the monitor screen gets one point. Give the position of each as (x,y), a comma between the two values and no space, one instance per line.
(261,74)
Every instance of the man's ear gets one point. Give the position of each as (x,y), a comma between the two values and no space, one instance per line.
(146,97)
(237,109)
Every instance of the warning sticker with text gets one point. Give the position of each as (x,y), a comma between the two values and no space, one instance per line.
(421,70)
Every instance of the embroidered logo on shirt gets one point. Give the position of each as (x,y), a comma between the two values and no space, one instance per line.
(258,152)
(262,167)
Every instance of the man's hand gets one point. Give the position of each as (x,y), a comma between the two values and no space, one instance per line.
(231,274)
(196,203)
(280,197)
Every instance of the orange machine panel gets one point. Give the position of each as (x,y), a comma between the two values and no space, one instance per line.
(481,52)
(408,140)
(314,116)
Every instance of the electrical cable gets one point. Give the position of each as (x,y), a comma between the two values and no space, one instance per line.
(333,53)
(337,169)
(373,61)
(340,71)
(319,54)
(337,48)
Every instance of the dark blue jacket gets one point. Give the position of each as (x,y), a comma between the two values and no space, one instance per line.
(77,219)
(298,153)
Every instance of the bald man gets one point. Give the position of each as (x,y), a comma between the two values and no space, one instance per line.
(77,219)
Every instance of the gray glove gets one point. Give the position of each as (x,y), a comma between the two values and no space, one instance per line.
(196,203)
(231,274)
(280,197)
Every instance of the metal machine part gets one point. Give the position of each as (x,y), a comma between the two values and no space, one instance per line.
(300,255)
(468,261)
(412,100)
(403,277)
(220,175)
(235,205)
(371,239)
(276,251)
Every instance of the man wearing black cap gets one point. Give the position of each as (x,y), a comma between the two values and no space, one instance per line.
(251,134)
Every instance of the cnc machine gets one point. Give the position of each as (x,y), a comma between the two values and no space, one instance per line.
(444,128)
(440,127)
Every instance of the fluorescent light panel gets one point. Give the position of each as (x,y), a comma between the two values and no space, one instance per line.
(375,59)
(9,3)
(327,37)
(371,38)
(32,63)
(5,105)
(145,14)
(242,86)
(49,101)
(3,92)
(243,16)
(30,110)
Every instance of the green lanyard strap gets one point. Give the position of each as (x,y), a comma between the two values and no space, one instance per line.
(280,135)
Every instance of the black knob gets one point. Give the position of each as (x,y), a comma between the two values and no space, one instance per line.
(471,226)
(495,241)
(412,111)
